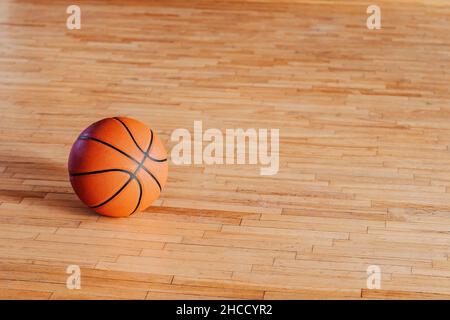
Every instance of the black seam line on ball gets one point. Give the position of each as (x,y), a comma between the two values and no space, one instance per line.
(151,142)
(132,175)
(145,154)
(76,174)
(145,169)
(109,145)
(140,196)
(129,132)
(157,160)
(115,194)
(137,145)
(125,154)
(143,160)
(137,169)
(154,178)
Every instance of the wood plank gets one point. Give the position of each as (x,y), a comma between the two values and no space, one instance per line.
(364,155)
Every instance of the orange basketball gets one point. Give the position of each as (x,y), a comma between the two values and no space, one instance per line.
(118,166)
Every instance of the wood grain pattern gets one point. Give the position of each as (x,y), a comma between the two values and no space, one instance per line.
(364,148)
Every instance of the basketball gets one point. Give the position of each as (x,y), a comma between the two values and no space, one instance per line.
(118,166)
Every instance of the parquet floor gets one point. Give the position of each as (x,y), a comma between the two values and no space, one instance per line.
(364,148)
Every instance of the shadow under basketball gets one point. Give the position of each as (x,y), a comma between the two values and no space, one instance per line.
(37,181)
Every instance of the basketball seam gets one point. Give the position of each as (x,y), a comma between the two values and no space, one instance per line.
(75,174)
(124,153)
(154,178)
(132,175)
(129,132)
(109,145)
(135,142)
(140,196)
(114,195)
(137,169)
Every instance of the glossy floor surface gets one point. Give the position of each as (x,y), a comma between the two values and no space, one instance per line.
(364,177)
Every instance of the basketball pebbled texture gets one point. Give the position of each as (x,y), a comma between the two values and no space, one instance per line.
(118,166)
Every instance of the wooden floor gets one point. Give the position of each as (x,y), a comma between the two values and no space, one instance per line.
(364,120)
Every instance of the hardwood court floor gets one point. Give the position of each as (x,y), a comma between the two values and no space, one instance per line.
(364,148)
